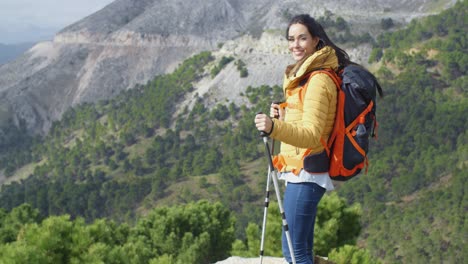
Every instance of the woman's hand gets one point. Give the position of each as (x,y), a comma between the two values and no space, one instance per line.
(276,111)
(263,123)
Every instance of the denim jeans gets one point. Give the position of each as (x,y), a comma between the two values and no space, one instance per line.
(300,207)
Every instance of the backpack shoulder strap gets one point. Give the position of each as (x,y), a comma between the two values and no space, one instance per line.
(337,80)
(331,73)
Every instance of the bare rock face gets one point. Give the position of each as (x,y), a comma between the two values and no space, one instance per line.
(130,41)
(126,43)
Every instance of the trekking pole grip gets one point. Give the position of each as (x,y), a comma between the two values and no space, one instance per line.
(263,134)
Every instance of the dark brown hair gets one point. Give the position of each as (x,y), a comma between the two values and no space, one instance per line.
(316,30)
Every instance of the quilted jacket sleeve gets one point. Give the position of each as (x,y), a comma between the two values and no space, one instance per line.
(315,121)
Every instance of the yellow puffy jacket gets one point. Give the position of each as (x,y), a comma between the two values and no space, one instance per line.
(307,121)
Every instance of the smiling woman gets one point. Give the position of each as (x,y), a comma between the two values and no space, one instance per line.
(301,123)
(301,42)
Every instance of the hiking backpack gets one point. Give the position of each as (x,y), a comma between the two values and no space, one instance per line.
(347,151)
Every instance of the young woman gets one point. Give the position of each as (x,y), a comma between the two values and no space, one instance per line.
(300,126)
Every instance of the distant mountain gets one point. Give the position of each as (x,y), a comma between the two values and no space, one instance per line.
(9,52)
(129,42)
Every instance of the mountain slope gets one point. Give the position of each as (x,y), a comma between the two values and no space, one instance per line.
(128,42)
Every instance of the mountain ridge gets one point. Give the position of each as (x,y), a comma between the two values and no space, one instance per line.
(129,42)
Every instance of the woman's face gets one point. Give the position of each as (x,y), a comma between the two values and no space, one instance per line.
(301,42)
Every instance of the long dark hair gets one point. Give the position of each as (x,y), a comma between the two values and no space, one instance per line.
(316,30)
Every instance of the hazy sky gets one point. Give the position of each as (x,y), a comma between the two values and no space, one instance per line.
(18,18)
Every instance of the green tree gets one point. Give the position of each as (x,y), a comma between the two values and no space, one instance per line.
(199,231)
(220,112)
(386,23)
(337,224)
(348,254)
(49,242)
(11,223)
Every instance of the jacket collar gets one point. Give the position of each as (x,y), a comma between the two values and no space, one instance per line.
(324,58)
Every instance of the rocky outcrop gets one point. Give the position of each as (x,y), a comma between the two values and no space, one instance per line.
(129,42)
(267,260)
(239,260)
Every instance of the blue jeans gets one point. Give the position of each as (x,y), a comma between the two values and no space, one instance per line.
(300,207)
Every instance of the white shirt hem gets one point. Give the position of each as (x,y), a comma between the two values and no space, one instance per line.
(321,179)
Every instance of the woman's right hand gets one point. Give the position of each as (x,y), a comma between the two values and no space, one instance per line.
(276,111)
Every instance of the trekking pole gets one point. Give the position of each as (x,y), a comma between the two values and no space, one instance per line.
(267,203)
(265,212)
(278,196)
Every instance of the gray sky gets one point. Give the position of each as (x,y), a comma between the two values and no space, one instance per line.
(20,18)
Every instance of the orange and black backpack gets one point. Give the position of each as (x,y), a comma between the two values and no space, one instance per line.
(355,121)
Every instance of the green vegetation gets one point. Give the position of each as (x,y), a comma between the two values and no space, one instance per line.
(15,146)
(194,233)
(339,31)
(352,255)
(386,23)
(108,165)
(242,68)
(221,64)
